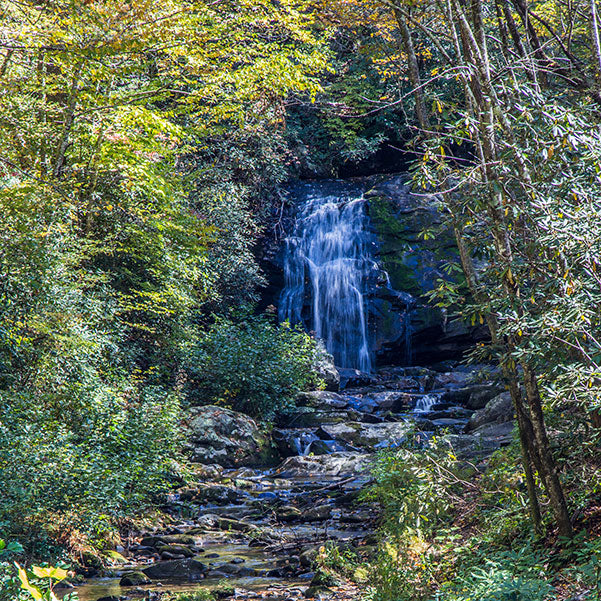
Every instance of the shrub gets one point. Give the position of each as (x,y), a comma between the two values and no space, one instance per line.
(499,581)
(83,468)
(251,365)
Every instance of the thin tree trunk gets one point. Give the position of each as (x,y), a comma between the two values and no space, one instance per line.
(413,71)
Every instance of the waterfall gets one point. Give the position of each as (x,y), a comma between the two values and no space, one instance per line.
(328,259)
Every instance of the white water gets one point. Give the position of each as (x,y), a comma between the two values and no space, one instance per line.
(329,253)
(425,403)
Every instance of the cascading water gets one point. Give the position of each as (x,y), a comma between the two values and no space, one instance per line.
(330,246)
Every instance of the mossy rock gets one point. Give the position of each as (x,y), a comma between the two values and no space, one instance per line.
(175,550)
(323,578)
(134,578)
(167,539)
(314,591)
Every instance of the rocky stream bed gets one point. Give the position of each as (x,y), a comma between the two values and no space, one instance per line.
(251,532)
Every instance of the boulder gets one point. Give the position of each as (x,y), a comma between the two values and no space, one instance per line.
(326,370)
(336,464)
(368,436)
(392,400)
(210,521)
(468,446)
(480,395)
(211,493)
(288,513)
(497,411)
(218,435)
(350,377)
(317,514)
(321,399)
(481,442)
(167,539)
(501,433)
(175,550)
(308,417)
(134,578)
(177,569)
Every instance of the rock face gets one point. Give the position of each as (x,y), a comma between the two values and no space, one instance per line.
(221,436)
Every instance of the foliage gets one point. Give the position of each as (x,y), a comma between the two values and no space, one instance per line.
(202,594)
(68,468)
(416,488)
(131,194)
(17,583)
(251,365)
(499,581)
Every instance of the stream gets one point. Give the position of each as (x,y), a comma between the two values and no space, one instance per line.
(257,530)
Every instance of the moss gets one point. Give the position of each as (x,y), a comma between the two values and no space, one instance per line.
(394,238)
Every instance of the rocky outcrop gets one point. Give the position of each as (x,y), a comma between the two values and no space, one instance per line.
(222,436)
(498,410)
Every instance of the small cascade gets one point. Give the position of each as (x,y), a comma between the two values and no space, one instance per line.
(425,403)
(301,442)
(328,258)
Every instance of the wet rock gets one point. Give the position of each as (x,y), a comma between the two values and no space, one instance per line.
(288,513)
(174,550)
(497,411)
(326,370)
(134,578)
(317,514)
(449,423)
(325,447)
(454,412)
(219,435)
(211,521)
(358,517)
(109,598)
(368,436)
(177,569)
(231,569)
(308,417)
(393,400)
(353,377)
(167,539)
(290,442)
(321,399)
(267,496)
(336,464)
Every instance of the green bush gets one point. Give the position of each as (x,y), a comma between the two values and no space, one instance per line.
(251,365)
(499,581)
(83,468)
